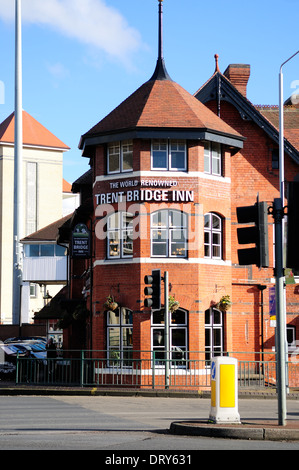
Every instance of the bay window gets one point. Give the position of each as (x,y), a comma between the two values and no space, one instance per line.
(120,157)
(168,155)
(212,236)
(213,158)
(178,334)
(120,235)
(120,337)
(169,234)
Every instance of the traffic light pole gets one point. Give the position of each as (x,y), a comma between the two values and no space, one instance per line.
(278,215)
(166,333)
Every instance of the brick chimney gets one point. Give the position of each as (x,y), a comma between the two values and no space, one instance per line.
(238,75)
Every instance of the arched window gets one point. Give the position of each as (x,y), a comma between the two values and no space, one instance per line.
(214,333)
(120,235)
(169,234)
(212,236)
(120,336)
(178,337)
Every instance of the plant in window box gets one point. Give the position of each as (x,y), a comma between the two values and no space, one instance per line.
(110,304)
(224,303)
(173,304)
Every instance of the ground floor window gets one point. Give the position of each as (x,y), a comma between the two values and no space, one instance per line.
(54,332)
(120,337)
(214,333)
(178,337)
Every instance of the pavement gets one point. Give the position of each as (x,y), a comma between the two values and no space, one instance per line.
(251,429)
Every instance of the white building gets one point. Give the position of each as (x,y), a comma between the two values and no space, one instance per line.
(45,268)
(42,192)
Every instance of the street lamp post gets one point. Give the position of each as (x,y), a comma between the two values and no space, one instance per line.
(281,340)
(18,174)
(281,126)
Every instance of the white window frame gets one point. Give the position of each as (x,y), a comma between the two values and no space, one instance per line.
(33,290)
(120,149)
(119,358)
(164,145)
(212,155)
(175,351)
(211,327)
(40,247)
(210,231)
(292,345)
(167,232)
(121,230)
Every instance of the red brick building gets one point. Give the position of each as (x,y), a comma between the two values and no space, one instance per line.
(168,170)
(255,170)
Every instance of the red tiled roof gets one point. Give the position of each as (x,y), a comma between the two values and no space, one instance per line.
(161,104)
(34,133)
(290,120)
(48,233)
(66,186)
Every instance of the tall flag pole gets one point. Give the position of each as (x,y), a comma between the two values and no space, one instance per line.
(18,170)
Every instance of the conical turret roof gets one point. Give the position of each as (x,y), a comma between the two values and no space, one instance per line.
(160,104)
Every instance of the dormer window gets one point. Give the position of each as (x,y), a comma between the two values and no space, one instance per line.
(120,157)
(213,158)
(169,155)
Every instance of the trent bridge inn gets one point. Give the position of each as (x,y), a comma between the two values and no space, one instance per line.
(167,171)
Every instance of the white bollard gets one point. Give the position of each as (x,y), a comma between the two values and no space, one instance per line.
(224,390)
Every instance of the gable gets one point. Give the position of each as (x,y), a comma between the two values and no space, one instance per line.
(219,88)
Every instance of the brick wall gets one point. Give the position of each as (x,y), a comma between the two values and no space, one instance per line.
(194,285)
(252,174)
(199,284)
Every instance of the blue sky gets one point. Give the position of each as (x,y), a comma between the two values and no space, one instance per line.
(82,58)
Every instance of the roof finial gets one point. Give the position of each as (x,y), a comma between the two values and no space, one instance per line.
(160,50)
(216,62)
(160,72)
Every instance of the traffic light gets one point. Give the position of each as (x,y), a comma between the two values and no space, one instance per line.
(256,234)
(154,290)
(292,226)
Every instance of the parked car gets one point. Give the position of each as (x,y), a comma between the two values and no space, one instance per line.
(29,346)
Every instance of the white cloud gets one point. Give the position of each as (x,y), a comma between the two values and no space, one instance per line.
(58,70)
(91,22)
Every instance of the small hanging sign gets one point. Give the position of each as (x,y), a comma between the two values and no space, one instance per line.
(81,245)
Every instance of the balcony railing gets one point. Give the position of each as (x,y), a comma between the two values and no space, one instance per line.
(45,268)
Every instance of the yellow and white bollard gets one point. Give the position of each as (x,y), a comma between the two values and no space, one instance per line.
(224,390)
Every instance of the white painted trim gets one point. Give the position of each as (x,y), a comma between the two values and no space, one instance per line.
(103,262)
(162,174)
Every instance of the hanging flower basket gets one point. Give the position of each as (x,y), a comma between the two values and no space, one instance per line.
(173,304)
(224,303)
(110,304)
